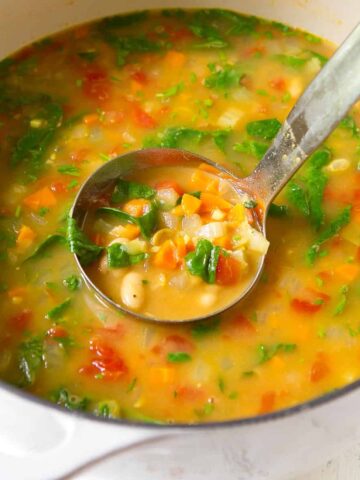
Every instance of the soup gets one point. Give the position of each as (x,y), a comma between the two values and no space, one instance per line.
(217,83)
(173,250)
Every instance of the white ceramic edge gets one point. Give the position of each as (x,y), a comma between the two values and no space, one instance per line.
(33,439)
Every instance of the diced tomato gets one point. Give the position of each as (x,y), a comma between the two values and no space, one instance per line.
(96,85)
(143,119)
(320,368)
(111,368)
(57,332)
(278,84)
(100,347)
(78,156)
(303,306)
(173,343)
(106,362)
(240,322)
(20,321)
(190,393)
(165,184)
(140,77)
(58,187)
(227,270)
(178,34)
(267,403)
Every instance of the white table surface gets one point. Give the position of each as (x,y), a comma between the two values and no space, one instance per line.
(344,467)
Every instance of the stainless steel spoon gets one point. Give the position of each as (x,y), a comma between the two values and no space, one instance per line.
(323,104)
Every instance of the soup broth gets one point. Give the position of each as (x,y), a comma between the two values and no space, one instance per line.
(217,83)
(174,250)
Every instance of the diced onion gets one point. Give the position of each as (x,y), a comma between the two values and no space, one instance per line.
(230,118)
(136,246)
(257,242)
(167,197)
(213,230)
(79,132)
(338,165)
(169,220)
(179,281)
(191,223)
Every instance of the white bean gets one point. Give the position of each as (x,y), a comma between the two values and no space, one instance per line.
(132,290)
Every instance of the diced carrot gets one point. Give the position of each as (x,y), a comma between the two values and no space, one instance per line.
(42,198)
(267,403)
(130,231)
(178,211)
(224,242)
(175,59)
(136,207)
(210,201)
(203,181)
(136,86)
(180,247)
(165,184)
(166,257)
(348,271)
(161,375)
(190,204)
(91,119)
(25,237)
(227,270)
(249,216)
(237,213)
(320,368)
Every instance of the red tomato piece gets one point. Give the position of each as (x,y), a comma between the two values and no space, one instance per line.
(143,119)
(278,84)
(240,322)
(58,187)
(101,348)
(227,270)
(110,368)
(140,77)
(96,85)
(189,392)
(57,332)
(20,321)
(303,306)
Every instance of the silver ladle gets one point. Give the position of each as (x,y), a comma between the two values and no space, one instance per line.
(321,107)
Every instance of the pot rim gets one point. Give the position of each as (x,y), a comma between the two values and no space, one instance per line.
(241,422)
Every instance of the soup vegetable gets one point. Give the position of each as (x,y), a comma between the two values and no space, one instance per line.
(220,84)
(177,249)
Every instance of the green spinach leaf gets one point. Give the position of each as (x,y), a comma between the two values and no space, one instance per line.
(265,129)
(118,257)
(223,78)
(30,359)
(79,244)
(204,260)
(125,190)
(333,229)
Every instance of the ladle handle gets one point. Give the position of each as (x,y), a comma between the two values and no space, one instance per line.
(323,104)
